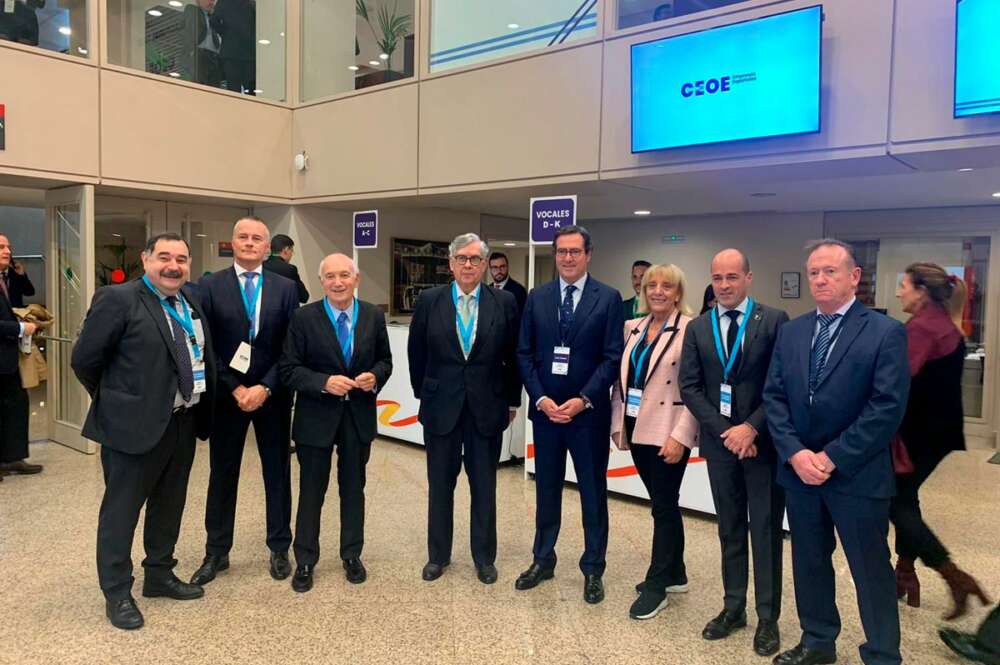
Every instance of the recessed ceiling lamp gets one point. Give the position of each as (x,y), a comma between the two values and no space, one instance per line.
(383,56)
(510,244)
(155,12)
(374,63)
(996,195)
(258,91)
(116,235)
(65,31)
(642,213)
(513,26)
(264,42)
(175,3)
(176,75)
(81,50)
(966,170)
(200,235)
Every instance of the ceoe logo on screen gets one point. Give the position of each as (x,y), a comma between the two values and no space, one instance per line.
(709,87)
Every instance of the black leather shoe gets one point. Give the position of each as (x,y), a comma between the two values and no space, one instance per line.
(802,655)
(432,570)
(968,646)
(487,574)
(302,581)
(593,589)
(355,570)
(767,639)
(723,625)
(532,577)
(22,468)
(124,613)
(210,567)
(171,587)
(281,567)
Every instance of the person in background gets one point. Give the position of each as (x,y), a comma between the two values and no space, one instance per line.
(280,261)
(983,646)
(708,300)
(630,308)
(649,419)
(17,283)
(199,59)
(18,21)
(932,427)
(236,23)
(499,270)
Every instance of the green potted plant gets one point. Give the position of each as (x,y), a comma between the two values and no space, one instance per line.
(392,27)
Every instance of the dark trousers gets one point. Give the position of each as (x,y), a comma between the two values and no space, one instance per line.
(589,449)
(271,426)
(914,539)
(444,462)
(663,482)
(314,478)
(158,479)
(863,526)
(240,75)
(739,488)
(206,68)
(14,410)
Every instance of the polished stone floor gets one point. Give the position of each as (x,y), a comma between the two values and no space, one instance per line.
(52,610)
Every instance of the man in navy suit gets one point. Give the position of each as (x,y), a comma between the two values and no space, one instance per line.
(248,310)
(835,394)
(569,353)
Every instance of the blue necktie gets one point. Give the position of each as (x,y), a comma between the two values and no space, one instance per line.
(248,289)
(820,349)
(566,314)
(343,336)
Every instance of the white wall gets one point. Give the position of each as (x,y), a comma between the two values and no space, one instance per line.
(773,244)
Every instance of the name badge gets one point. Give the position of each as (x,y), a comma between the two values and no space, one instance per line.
(241,359)
(8,6)
(726,400)
(199,332)
(632,402)
(560,360)
(200,384)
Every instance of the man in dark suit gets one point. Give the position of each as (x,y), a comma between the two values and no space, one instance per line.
(630,308)
(145,356)
(723,369)
(280,261)
(200,52)
(14,406)
(569,354)
(500,271)
(463,369)
(336,359)
(16,282)
(836,392)
(248,309)
(236,22)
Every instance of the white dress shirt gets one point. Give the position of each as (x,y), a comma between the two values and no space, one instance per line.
(724,322)
(577,294)
(473,312)
(833,326)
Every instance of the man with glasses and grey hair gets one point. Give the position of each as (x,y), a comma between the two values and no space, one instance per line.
(463,370)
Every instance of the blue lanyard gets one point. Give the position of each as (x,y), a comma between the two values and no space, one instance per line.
(330,314)
(186,323)
(465,333)
(733,352)
(642,356)
(251,304)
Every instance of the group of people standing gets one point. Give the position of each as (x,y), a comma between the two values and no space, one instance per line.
(795,415)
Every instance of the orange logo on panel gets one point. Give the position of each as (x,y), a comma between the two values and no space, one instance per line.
(391,408)
(619,472)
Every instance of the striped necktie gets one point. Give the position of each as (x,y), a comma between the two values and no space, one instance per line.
(821,348)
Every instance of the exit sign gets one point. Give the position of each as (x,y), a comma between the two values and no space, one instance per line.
(672,238)
(3,127)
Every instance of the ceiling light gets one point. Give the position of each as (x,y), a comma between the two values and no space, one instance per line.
(258,91)
(510,244)
(175,3)
(996,195)
(281,34)
(642,213)
(264,42)
(353,68)
(513,26)
(965,170)
(155,12)
(200,235)
(176,75)
(116,235)
(763,195)
(383,56)
(374,63)
(65,30)
(81,50)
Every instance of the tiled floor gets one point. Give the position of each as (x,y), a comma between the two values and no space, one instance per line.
(52,610)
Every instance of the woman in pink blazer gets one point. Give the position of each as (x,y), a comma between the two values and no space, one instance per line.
(649,419)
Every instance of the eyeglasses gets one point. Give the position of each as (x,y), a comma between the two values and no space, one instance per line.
(474,261)
(575,252)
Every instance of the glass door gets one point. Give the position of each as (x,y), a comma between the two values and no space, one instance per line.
(69,286)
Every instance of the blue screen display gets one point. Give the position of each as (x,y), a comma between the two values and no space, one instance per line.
(747,80)
(977,58)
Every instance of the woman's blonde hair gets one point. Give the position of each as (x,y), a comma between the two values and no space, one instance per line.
(667,273)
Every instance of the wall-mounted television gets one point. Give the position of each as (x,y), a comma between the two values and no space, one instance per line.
(977,57)
(747,80)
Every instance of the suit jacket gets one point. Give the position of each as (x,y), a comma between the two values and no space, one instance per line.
(227,317)
(312,354)
(236,21)
(288,271)
(18,287)
(124,357)
(519,292)
(628,308)
(858,404)
(444,381)
(595,342)
(662,414)
(10,331)
(200,65)
(701,377)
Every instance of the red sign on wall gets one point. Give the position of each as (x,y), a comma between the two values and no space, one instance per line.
(3,126)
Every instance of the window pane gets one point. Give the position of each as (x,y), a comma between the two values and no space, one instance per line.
(54,25)
(638,12)
(464,32)
(238,45)
(353,44)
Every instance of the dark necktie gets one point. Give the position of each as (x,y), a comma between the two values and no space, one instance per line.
(820,350)
(4,286)
(343,336)
(734,329)
(248,289)
(566,315)
(185,373)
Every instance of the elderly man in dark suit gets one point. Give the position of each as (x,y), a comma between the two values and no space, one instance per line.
(336,359)
(569,354)
(145,356)
(723,369)
(836,392)
(463,369)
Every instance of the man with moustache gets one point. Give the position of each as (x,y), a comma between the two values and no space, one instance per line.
(145,356)
(248,309)
(500,271)
(463,369)
(723,369)
(336,359)
(569,354)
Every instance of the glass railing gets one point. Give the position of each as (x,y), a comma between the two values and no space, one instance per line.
(53,25)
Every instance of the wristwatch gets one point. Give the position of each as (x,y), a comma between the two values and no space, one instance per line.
(266,389)
(587,404)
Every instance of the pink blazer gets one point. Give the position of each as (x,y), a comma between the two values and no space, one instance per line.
(662,414)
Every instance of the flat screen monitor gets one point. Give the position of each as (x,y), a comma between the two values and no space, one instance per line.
(977,57)
(742,81)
